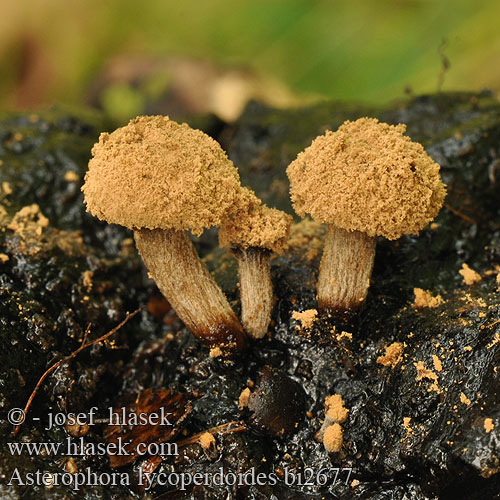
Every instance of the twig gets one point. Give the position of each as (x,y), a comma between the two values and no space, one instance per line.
(445,63)
(466,218)
(492,324)
(227,428)
(55,366)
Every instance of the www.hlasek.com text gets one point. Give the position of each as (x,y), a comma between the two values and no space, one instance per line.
(81,448)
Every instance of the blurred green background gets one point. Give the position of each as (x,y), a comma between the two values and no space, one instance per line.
(213,55)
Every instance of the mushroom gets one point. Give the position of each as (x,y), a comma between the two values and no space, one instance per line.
(161,179)
(335,413)
(333,438)
(365,179)
(251,232)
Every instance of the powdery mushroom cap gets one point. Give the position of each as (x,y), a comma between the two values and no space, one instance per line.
(335,409)
(333,438)
(252,224)
(369,177)
(157,174)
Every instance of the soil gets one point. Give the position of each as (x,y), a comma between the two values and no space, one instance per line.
(425,427)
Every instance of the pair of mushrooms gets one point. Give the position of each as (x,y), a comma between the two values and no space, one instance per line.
(161,179)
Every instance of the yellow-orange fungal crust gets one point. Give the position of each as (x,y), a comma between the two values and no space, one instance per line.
(157,174)
(255,225)
(393,355)
(207,440)
(369,177)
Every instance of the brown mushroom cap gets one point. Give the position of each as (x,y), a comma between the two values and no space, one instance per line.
(255,225)
(157,174)
(367,176)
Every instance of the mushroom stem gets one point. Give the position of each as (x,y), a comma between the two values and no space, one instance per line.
(346,267)
(184,280)
(256,290)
